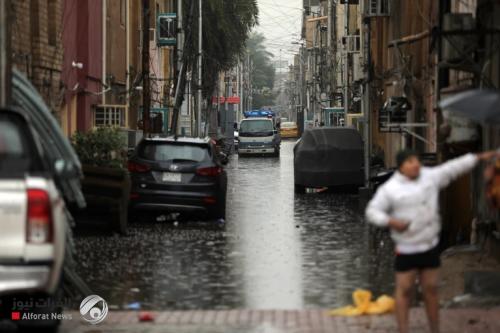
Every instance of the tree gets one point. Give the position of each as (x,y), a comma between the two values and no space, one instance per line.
(263,72)
(226,27)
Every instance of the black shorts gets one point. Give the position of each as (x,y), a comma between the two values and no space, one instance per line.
(424,260)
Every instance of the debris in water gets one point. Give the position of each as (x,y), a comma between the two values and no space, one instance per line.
(146,317)
(133,306)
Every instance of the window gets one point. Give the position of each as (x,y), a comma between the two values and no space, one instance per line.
(377,7)
(162,151)
(109,115)
(288,125)
(52,22)
(17,154)
(256,126)
(352,43)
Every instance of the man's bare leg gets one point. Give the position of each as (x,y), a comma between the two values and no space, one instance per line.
(405,282)
(429,283)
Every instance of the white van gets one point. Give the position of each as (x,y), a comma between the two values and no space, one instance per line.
(258,136)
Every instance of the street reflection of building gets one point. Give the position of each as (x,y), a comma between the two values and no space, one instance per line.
(269,244)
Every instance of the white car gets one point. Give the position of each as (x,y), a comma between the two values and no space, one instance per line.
(33,225)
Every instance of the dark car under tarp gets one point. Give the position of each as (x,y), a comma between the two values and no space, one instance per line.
(328,157)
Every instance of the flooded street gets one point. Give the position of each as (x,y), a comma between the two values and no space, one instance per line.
(278,251)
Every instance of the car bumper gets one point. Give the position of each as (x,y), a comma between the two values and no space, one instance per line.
(289,135)
(17,278)
(256,151)
(177,201)
(328,179)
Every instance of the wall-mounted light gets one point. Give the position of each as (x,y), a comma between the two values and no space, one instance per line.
(78,65)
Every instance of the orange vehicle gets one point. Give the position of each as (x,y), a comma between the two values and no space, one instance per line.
(289,130)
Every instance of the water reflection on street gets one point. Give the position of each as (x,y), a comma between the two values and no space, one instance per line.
(279,250)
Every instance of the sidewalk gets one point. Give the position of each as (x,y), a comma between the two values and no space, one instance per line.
(269,321)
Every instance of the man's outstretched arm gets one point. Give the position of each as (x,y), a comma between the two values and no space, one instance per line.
(447,172)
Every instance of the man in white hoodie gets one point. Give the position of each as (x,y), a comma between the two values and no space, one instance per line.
(408,204)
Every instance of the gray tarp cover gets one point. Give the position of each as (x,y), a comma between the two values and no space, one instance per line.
(329,156)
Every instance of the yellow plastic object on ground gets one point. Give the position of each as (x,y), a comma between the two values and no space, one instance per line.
(364,305)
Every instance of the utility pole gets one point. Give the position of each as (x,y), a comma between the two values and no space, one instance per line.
(181,75)
(5,61)
(330,53)
(238,91)
(303,110)
(146,88)
(200,65)
(365,104)
(249,92)
(229,113)
(346,58)
(251,85)
(180,33)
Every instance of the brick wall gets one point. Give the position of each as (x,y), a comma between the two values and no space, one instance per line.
(37,46)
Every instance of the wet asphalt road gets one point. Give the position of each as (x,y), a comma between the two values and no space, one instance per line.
(278,250)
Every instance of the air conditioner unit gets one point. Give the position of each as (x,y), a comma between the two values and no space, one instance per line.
(456,48)
(352,43)
(377,7)
(166,26)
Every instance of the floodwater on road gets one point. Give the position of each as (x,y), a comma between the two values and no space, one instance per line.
(279,250)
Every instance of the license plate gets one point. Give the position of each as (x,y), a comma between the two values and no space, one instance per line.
(171,177)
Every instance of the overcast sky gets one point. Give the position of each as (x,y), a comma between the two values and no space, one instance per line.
(280,22)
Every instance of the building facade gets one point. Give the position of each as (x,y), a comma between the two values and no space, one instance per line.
(84,57)
(36,47)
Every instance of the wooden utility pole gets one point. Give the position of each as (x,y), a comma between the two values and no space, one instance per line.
(146,87)
(5,54)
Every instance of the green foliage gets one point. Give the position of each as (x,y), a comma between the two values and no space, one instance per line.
(102,147)
(263,72)
(226,27)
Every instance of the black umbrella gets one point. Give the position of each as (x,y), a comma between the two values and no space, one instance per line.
(479,105)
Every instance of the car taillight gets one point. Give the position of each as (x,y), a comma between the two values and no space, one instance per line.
(138,167)
(210,200)
(39,225)
(209,172)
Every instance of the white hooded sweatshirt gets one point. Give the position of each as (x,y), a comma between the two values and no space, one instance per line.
(417,202)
